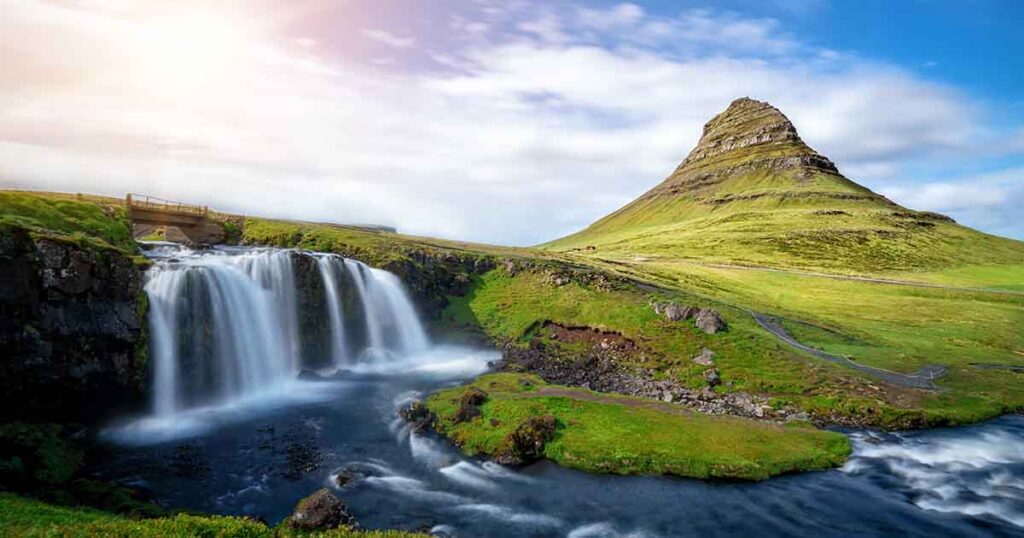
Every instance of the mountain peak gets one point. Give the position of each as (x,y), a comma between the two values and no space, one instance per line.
(746,122)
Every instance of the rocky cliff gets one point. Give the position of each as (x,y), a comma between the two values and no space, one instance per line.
(72,329)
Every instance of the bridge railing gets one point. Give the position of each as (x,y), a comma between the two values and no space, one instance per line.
(142,201)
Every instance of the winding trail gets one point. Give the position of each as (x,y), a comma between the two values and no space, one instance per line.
(921,379)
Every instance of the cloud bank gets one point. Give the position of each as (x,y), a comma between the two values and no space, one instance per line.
(525,123)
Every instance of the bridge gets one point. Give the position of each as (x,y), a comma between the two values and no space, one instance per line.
(148,212)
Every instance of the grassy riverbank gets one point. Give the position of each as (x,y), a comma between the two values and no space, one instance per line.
(23,517)
(623,435)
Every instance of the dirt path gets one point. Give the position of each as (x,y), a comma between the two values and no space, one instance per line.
(921,379)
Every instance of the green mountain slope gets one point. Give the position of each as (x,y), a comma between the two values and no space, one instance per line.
(753,193)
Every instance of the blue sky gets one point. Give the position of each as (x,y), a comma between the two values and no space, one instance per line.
(501,121)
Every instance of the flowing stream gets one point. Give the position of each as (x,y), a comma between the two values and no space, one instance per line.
(234,431)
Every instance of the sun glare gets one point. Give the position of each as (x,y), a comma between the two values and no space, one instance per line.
(192,54)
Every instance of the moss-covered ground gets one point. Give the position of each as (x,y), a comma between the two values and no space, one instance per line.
(624,435)
(68,217)
(24,517)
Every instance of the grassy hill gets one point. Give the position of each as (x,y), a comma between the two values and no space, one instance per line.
(753,193)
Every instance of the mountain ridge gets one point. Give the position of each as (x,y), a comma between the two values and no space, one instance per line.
(753,192)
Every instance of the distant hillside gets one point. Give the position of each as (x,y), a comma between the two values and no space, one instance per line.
(752,192)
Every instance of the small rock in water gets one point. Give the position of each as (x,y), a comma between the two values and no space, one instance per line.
(321,511)
(417,415)
(348,477)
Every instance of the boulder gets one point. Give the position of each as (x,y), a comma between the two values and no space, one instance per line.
(709,321)
(706,357)
(473,396)
(675,312)
(712,377)
(348,477)
(321,511)
(526,443)
(466,413)
(418,416)
(469,405)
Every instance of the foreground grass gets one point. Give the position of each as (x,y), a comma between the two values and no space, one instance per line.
(24,517)
(67,217)
(623,435)
(513,308)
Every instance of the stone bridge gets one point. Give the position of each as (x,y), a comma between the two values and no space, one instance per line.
(146,213)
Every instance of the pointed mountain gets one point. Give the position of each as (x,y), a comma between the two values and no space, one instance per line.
(752,192)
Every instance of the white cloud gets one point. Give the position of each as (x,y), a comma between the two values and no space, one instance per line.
(991,201)
(533,130)
(389,39)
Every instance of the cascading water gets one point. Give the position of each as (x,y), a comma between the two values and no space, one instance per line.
(329,274)
(386,309)
(225,323)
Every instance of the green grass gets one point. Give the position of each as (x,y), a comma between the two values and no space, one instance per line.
(24,517)
(69,218)
(898,329)
(625,435)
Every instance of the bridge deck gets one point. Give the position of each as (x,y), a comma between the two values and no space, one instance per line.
(141,202)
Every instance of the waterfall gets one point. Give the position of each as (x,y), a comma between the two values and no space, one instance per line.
(233,322)
(387,312)
(330,275)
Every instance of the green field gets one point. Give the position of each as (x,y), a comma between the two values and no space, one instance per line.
(68,217)
(24,517)
(623,435)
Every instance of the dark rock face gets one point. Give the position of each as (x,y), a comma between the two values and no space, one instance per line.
(432,276)
(526,443)
(72,330)
(321,511)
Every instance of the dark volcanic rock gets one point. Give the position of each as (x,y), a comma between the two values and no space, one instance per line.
(469,405)
(526,443)
(473,396)
(349,477)
(466,413)
(418,416)
(321,511)
(72,330)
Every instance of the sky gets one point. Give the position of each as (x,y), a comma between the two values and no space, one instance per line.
(510,122)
